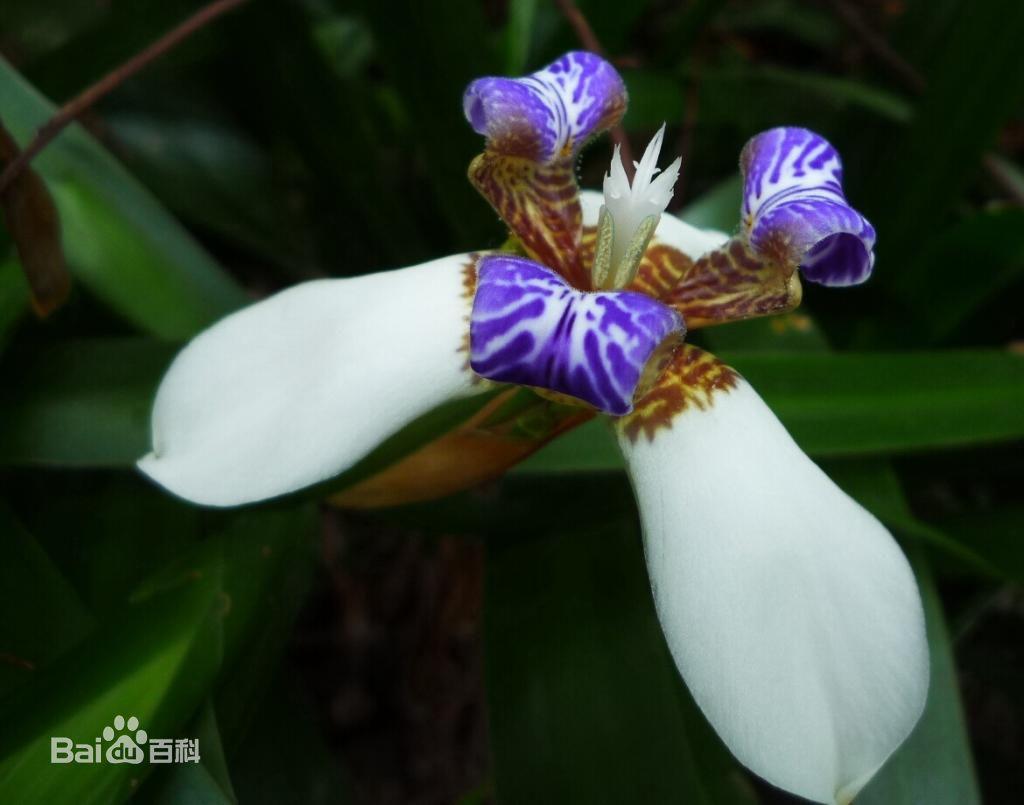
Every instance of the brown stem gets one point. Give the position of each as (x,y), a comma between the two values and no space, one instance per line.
(73,108)
(578,22)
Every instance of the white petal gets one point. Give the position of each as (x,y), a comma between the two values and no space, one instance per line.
(790,611)
(690,240)
(299,387)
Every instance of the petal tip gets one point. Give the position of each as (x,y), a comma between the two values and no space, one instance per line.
(795,211)
(790,611)
(549,113)
(299,387)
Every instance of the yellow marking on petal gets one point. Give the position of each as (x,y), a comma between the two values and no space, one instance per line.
(601,268)
(692,379)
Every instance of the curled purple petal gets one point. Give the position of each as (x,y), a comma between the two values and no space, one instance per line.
(795,211)
(530,327)
(550,113)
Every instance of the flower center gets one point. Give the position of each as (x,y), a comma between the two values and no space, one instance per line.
(630,214)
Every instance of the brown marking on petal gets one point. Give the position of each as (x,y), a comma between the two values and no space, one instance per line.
(507,430)
(728,284)
(469,277)
(468,294)
(540,204)
(588,246)
(662,268)
(691,380)
(733,283)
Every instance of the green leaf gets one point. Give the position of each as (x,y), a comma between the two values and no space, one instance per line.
(284,758)
(107,532)
(966,265)
(80,403)
(922,171)
(203,783)
(862,403)
(612,21)
(809,25)
(87,403)
(334,137)
(589,448)
(585,704)
(921,30)
(155,663)
(344,40)
(192,784)
(719,208)
(830,89)
(851,404)
(773,88)
(789,332)
(43,614)
(935,764)
(119,241)
(269,560)
(38,29)
(137,546)
(431,96)
(517,35)
(654,98)
(994,534)
(207,173)
(14,297)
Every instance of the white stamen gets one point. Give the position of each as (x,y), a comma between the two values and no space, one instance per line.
(629,204)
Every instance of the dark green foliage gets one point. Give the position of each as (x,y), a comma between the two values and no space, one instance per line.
(302,139)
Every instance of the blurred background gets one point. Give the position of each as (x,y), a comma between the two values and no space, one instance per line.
(499,645)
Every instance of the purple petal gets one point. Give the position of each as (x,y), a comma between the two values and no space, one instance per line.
(794,208)
(550,113)
(530,327)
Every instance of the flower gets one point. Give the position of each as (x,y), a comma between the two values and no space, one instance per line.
(789,610)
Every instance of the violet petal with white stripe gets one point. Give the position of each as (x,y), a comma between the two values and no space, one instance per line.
(550,113)
(531,328)
(794,208)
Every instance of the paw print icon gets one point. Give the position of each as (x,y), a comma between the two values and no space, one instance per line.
(125,748)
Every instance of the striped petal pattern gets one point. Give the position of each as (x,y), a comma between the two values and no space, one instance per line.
(530,327)
(794,210)
(550,113)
